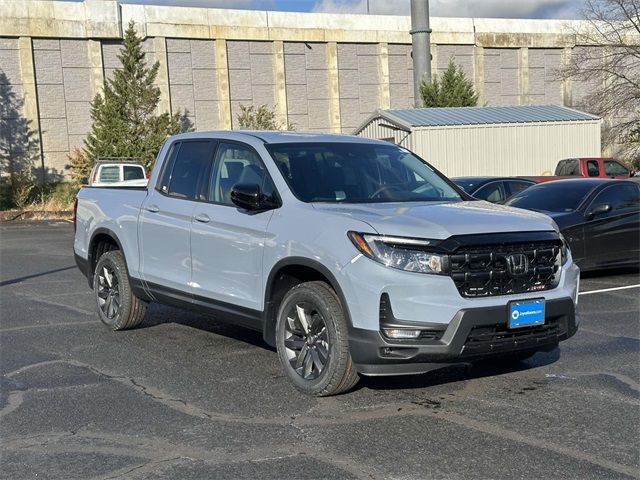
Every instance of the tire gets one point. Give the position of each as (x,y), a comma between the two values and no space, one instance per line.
(301,348)
(118,308)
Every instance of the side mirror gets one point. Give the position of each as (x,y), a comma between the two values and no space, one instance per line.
(84,181)
(250,197)
(599,210)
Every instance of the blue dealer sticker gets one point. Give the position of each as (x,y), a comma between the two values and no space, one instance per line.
(526,313)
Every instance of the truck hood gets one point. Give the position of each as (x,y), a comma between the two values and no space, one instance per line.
(441,220)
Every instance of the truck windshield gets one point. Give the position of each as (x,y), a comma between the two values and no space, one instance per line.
(358,173)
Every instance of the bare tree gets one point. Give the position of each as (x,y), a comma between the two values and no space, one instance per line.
(608,60)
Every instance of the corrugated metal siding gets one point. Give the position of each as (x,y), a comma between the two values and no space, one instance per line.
(508,149)
(423,117)
(376,129)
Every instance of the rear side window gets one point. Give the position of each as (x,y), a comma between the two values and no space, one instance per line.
(614,169)
(133,172)
(190,165)
(516,186)
(568,168)
(592,168)
(109,174)
(493,192)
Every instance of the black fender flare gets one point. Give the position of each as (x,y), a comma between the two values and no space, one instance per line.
(269,324)
(90,260)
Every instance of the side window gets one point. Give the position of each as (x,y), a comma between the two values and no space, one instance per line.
(614,169)
(234,164)
(167,168)
(620,197)
(573,167)
(516,187)
(133,172)
(592,168)
(189,169)
(493,192)
(110,173)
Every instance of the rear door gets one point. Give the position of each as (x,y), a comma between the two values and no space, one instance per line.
(165,219)
(613,237)
(227,242)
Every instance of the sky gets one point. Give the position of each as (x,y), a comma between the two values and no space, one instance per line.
(446,8)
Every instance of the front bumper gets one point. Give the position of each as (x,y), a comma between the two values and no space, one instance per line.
(473,334)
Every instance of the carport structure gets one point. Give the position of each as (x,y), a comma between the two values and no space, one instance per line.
(509,140)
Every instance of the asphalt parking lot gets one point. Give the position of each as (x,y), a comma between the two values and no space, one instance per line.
(184,396)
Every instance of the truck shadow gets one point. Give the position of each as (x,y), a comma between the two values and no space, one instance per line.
(160,314)
(458,373)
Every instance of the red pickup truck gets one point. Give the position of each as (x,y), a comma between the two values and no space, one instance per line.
(589,167)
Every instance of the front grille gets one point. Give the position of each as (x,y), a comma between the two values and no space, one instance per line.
(483,272)
(497,338)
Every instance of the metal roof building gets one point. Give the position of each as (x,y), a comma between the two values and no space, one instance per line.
(514,140)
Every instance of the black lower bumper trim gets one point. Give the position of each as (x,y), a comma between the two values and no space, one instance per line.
(473,334)
(83,266)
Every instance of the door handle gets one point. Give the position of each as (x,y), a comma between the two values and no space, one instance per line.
(152,208)
(202,218)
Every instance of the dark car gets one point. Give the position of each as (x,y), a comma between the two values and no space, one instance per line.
(493,189)
(600,218)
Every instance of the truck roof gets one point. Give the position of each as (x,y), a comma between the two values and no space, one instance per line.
(276,136)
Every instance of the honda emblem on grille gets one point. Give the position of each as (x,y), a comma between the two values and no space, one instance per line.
(517,264)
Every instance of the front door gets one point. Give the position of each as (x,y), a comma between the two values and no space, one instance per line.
(227,242)
(165,220)
(613,236)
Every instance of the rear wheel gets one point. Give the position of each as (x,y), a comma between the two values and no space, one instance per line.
(312,340)
(118,307)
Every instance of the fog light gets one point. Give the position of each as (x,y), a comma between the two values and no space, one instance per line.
(401,333)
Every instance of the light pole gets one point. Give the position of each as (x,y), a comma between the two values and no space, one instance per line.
(421,52)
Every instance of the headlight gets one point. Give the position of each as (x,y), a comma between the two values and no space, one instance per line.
(564,250)
(409,254)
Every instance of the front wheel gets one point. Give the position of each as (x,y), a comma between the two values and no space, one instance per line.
(118,307)
(312,340)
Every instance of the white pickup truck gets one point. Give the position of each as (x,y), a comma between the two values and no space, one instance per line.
(351,256)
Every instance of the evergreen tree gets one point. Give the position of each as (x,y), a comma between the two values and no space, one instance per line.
(453,89)
(125,123)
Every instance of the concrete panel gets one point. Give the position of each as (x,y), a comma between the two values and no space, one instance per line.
(367,49)
(318,84)
(76,141)
(264,48)
(238,55)
(178,45)
(204,85)
(294,68)
(316,56)
(349,114)
(10,67)
(294,48)
(203,54)
(48,65)
(8,43)
(262,70)
(537,81)
(182,99)
(78,118)
(397,69)
(110,51)
(297,100)
(206,115)
(368,70)
(46,44)
(347,56)
(348,84)
(180,72)
(74,53)
(299,122)
(320,114)
(51,101)
(369,98)
(240,84)
(77,84)
(55,137)
(263,95)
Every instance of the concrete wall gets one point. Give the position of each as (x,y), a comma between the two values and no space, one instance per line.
(320,72)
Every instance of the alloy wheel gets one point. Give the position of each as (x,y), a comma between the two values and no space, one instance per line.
(108,292)
(306,341)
